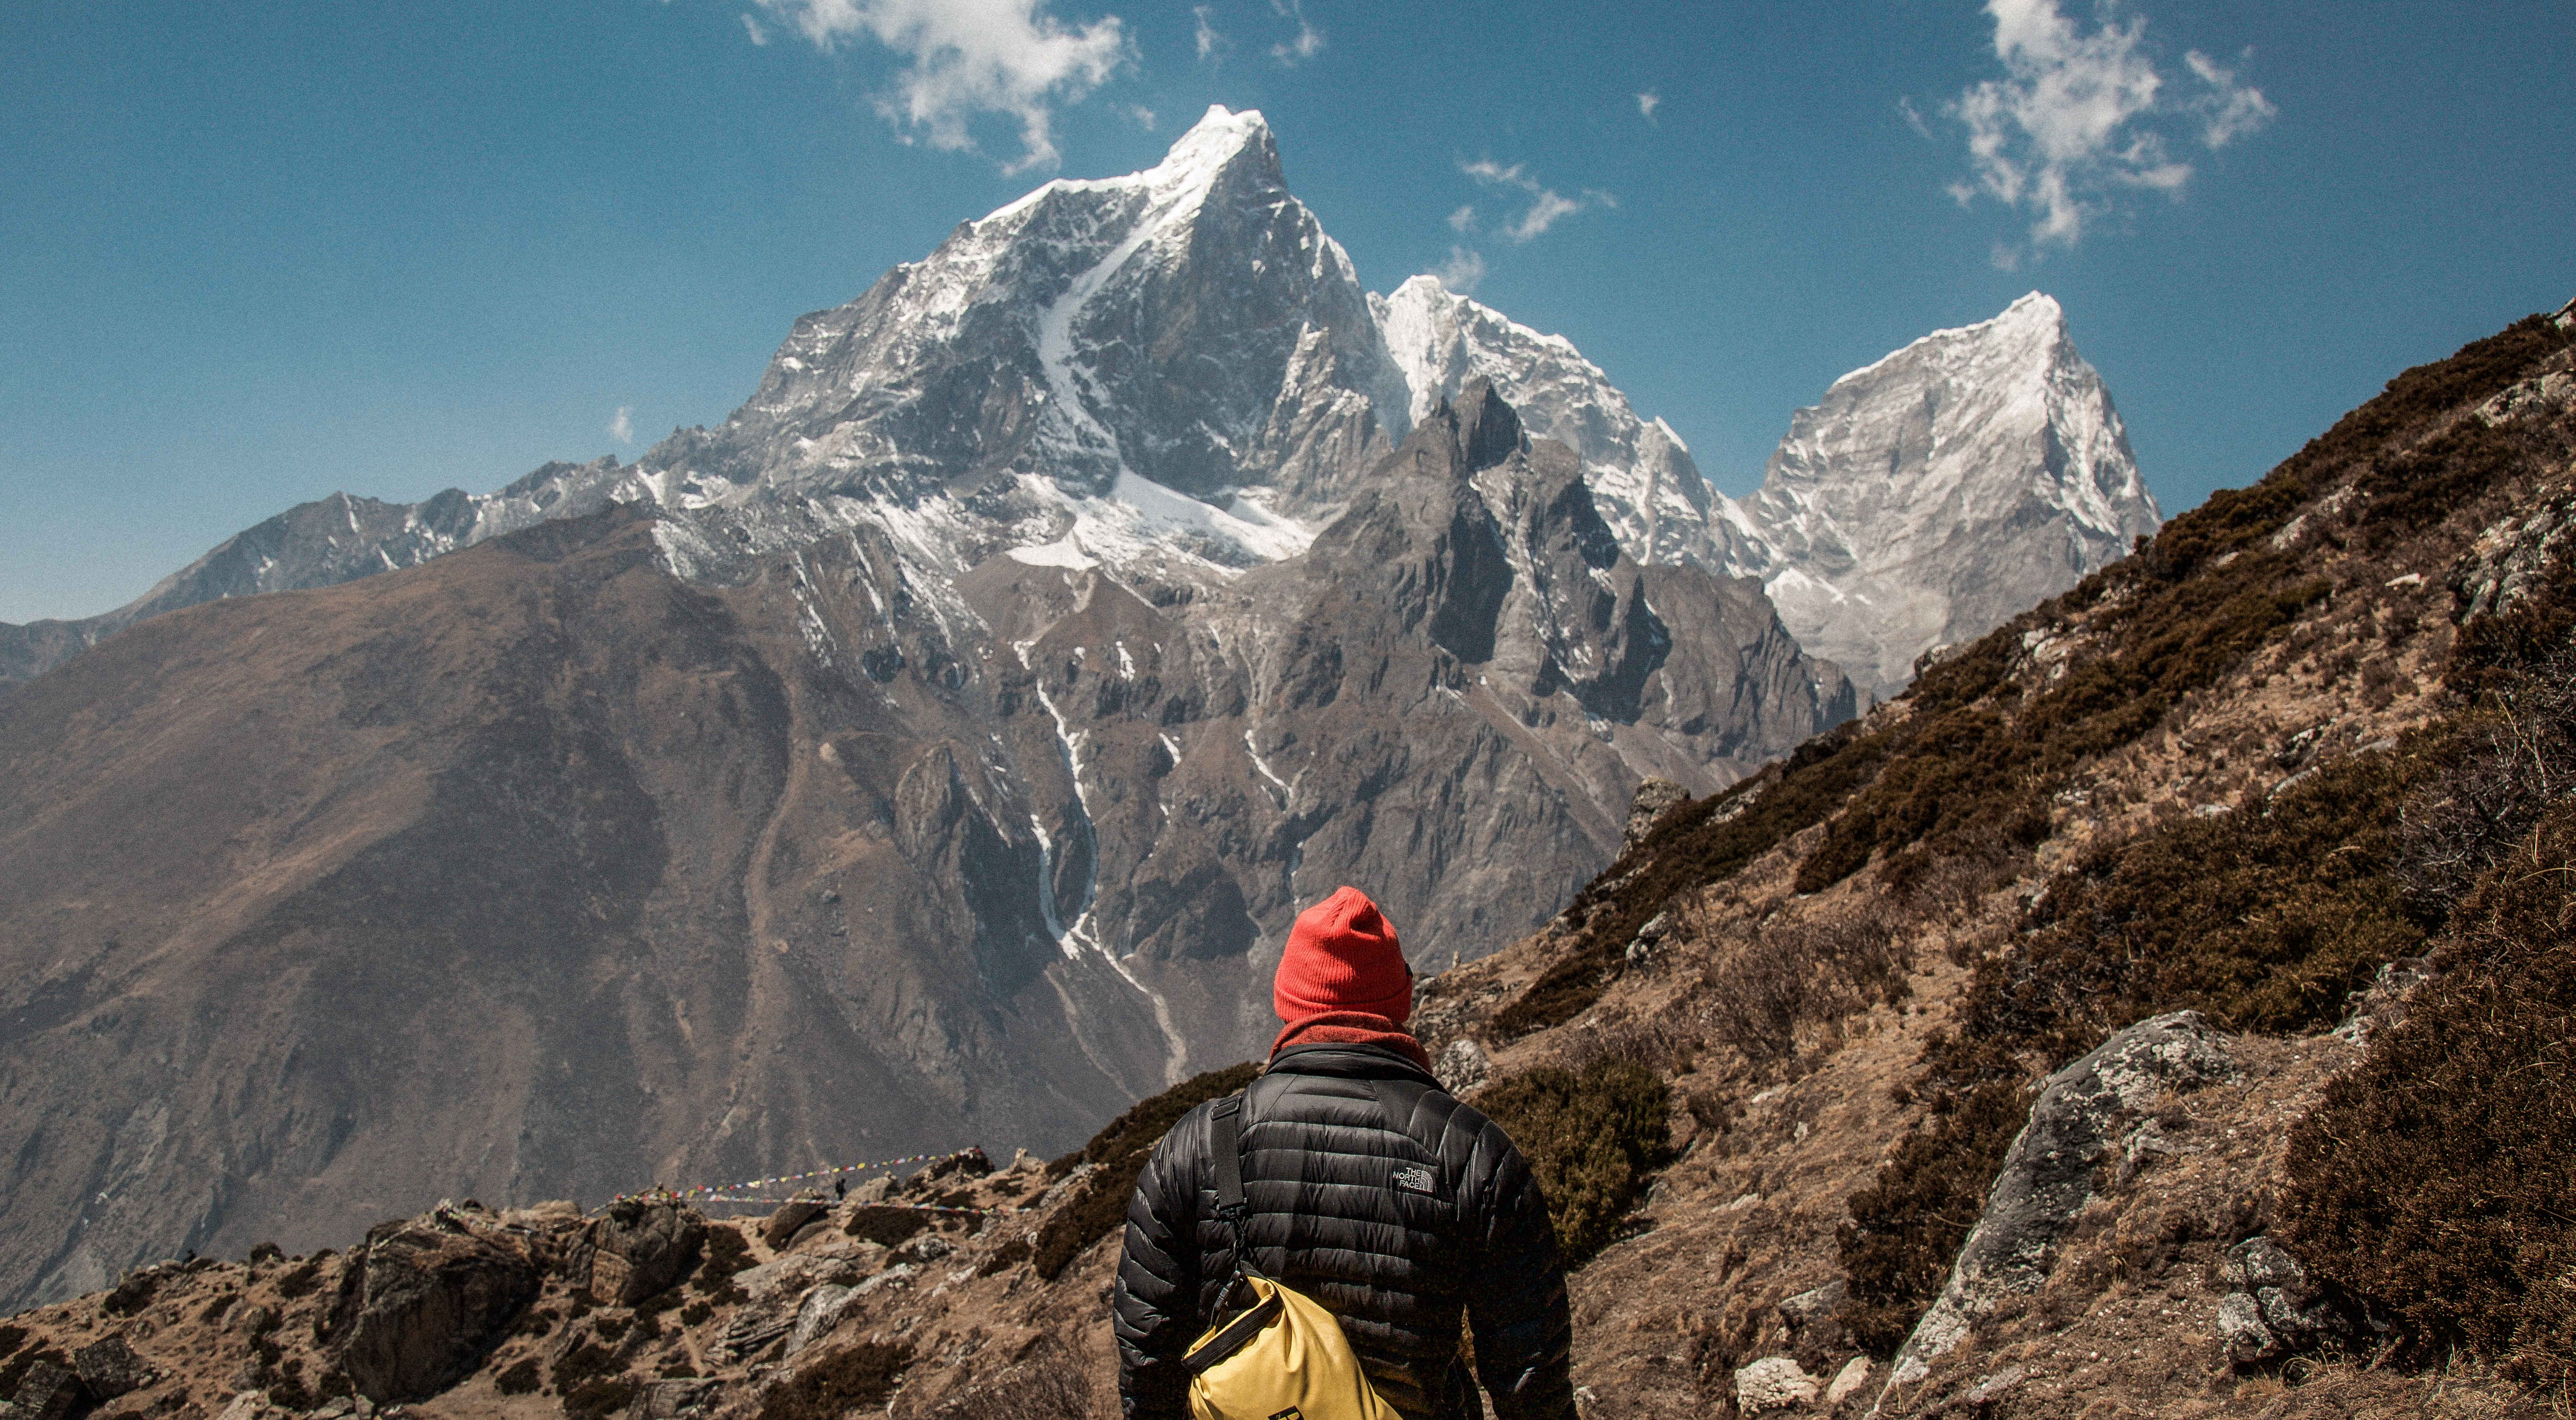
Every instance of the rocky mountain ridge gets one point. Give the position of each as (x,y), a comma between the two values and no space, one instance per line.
(1176,374)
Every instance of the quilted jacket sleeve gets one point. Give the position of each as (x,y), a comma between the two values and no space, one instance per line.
(1519,1315)
(1155,1311)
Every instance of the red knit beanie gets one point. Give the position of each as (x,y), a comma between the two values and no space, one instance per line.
(1342,956)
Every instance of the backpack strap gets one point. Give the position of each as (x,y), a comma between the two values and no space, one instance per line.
(1227,1121)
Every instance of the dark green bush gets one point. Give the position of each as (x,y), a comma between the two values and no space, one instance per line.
(839,1384)
(1590,1137)
(1099,1206)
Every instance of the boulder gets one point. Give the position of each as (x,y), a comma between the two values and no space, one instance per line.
(2276,1306)
(822,1310)
(1773,1383)
(108,1368)
(425,1300)
(788,1221)
(48,1392)
(638,1249)
(2083,1113)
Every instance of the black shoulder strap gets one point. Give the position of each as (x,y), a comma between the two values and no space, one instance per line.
(1229,1157)
(1227,1120)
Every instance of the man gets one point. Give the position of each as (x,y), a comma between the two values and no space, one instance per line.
(1370,1189)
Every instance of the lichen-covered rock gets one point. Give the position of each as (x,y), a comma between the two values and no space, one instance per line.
(426,1299)
(1653,797)
(2047,1176)
(1848,1381)
(1773,1383)
(822,1310)
(2241,1331)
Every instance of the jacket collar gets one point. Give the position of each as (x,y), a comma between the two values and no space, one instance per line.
(1349,1062)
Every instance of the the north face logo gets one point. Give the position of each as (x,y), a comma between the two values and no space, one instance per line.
(1414,1178)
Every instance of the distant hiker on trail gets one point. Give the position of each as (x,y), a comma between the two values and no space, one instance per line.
(840,1188)
(1366,1188)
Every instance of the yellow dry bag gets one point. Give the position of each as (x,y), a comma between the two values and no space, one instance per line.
(1283,1357)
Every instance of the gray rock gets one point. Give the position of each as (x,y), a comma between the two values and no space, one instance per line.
(2241,1331)
(822,1310)
(2047,1177)
(1652,798)
(424,1300)
(1773,1383)
(673,1400)
(1807,1307)
(1463,1066)
(109,1369)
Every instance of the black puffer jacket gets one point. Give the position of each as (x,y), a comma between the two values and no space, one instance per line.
(1336,1145)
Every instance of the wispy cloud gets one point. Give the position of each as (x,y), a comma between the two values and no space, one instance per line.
(1210,41)
(1547,206)
(2083,113)
(1462,271)
(969,57)
(1464,219)
(1647,103)
(1303,45)
(622,428)
(752,27)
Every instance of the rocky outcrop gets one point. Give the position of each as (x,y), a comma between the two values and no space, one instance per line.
(2080,1117)
(424,1300)
(637,1249)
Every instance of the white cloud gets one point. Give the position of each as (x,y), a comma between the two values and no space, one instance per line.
(1144,116)
(752,27)
(970,57)
(1464,219)
(1647,103)
(622,428)
(1210,42)
(1305,44)
(1462,271)
(1547,206)
(2081,115)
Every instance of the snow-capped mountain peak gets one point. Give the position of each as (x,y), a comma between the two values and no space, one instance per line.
(1937,491)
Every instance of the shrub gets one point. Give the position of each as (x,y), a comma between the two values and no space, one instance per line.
(518,1378)
(299,1280)
(598,1397)
(1591,1137)
(1911,1220)
(837,1384)
(1788,973)
(2433,1178)
(1121,1148)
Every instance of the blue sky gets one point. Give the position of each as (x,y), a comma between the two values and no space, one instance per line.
(253,254)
